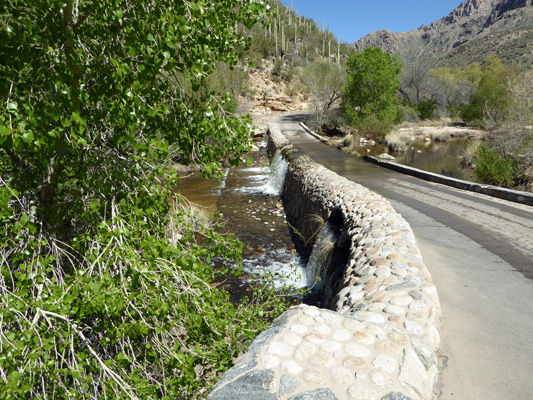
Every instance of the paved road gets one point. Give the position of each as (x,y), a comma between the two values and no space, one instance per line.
(479,251)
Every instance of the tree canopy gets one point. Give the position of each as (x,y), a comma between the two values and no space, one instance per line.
(324,81)
(104,284)
(93,84)
(373,84)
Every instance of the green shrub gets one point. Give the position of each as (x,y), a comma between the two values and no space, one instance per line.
(470,113)
(408,113)
(427,109)
(277,69)
(372,85)
(495,169)
(491,100)
(332,120)
(262,46)
(372,127)
(99,297)
(288,73)
(125,310)
(293,90)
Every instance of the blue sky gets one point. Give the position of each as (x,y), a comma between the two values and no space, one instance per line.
(350,20)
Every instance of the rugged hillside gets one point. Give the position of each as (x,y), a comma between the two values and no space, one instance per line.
(475,29)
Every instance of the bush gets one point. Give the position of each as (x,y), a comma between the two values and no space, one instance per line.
(372,127)
(277,69)
(495,169)
(293,90)
(427,108)
(408,113)
(348,141)
(262,46)
(288,73)
(468,157)
(490,103)
(100,298)
(372,85)
(332,120)
(470,113)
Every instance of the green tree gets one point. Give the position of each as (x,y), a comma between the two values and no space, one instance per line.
(471,74)
(507,157)
(372,85)
(324,82)
(447,83)
(491,99)
(99,297)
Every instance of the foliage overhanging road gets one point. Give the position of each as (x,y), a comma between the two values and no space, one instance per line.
(479,251)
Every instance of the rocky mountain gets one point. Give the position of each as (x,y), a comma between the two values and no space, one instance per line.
(471,32)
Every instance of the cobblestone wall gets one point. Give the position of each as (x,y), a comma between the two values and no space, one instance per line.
(379,339)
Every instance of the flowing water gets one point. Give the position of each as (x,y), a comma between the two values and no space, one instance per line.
(321,255)
(249,199)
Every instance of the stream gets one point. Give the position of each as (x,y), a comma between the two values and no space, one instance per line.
(249,199)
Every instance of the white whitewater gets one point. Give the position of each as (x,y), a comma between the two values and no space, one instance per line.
(289,272)
(320,256)
(269,179)
(278,172)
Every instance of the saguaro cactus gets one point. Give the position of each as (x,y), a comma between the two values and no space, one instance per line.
(282,37)
(276,36)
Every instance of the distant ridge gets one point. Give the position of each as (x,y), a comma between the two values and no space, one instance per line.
(471,32)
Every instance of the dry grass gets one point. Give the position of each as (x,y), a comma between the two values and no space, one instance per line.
(194,216)
(317,222)
(348,143)
(469,154)
(400,139)
(185,169)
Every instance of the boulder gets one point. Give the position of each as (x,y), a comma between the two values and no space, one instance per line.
(385,156)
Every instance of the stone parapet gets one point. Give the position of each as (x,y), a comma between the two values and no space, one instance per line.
(379,339)
(515,196)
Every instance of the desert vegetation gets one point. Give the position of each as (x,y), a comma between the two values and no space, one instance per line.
(432,92)
(106,284)
(105,272)
(427,102)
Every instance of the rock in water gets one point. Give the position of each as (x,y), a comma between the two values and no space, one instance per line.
(385,156)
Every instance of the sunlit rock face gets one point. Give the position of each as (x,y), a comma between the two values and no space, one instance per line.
(491,24)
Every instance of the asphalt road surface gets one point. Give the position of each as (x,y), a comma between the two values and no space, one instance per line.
(479,251)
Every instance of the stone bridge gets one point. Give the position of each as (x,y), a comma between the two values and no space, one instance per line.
(377,335)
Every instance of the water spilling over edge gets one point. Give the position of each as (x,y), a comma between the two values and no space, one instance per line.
(320,255)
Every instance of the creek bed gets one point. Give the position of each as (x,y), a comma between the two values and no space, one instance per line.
(249,200)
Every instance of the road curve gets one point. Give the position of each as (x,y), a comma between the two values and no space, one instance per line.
(479,251)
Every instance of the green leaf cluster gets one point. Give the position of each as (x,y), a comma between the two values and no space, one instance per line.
(104,276)
(372,85)
(489,86)
(493,168)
